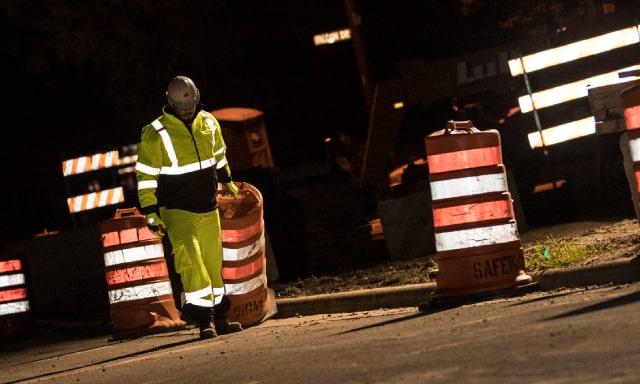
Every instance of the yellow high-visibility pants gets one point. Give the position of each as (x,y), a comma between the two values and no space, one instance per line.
(197,248)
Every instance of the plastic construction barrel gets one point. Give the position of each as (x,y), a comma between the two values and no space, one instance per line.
(15,314)
(631,104)
(245,135)
(477,243)
(244,269)
(139,288)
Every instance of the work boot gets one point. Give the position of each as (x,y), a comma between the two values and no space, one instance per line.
(224,326)
(222,323)
(207,330)
(200,316)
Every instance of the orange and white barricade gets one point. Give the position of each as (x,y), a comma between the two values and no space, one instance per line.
(630,142)
(139,288)
(15,309)
(477,242)
(244,270)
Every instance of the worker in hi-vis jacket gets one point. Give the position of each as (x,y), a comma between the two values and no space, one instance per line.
(181,159)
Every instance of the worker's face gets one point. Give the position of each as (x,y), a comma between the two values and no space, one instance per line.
(185,114)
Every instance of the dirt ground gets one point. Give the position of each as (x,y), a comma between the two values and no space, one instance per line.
(611,239)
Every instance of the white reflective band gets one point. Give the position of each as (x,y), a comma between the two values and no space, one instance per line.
(112,159)
(231,254)
(11,308)
(157,125)
(247,286)
(572,91)
(217,300)
(117,196)
(77,204)
(465,186)
(131,255)
(198,297)
(187,168)
(202,303)
(81,165)
(219,151)
(476,237)
(166,140)
(140,292)
(212,126)
(198,294)
(221,163)
(634,145)
(574,51)
(67,168)
(9,280)
(147,184)
(147,169)
(218,291)
(564,132)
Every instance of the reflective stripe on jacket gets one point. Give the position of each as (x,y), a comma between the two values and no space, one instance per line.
(178,166)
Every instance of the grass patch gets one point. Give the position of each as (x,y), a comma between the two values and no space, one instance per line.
(557,253)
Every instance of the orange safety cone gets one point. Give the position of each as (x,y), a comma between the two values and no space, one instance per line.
(140,293)
(15,309)
(244,269)
(630,142)
(477,243)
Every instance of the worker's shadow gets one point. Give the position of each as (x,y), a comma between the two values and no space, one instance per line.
(121,357)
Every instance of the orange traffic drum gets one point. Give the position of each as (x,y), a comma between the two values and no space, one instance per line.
(140,293)
(631,138)
(631,104)
(15,313)
(244,269)
(477,242)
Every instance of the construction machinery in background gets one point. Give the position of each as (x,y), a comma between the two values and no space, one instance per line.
(536,94)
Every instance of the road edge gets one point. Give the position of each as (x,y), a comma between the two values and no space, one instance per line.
(615,272)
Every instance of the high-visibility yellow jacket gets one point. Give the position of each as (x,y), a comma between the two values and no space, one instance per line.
(179,166)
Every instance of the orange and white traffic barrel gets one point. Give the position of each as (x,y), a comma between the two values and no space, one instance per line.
(15,313)
(631,104)
(477,242)
(244,260)
(139,288)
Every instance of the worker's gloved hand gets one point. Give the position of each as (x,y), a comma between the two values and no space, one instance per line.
(231,188)
(155,224)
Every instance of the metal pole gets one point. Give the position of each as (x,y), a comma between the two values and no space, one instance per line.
(536,116)
(355,22)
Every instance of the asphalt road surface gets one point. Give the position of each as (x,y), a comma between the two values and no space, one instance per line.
(586,335)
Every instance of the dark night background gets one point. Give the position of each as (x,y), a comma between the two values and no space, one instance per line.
(82,77)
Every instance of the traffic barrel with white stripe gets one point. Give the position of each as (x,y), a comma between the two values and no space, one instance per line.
(139,288)
(477,243)
(15,313)
(244,270)
(631,104)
